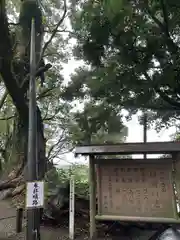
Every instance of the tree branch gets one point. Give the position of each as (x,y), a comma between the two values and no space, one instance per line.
(170,43)
(45,93)
(6,56)
(167,99)
(56,144)
(163,95)
(49,118)
(156,20)
(39,71)
(13,24)
(165,15)
(55,30)
(3,99)
(153,108)
(7,118)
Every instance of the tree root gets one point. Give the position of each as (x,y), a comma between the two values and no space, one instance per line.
(18,190)
(18,170)
(10,193)
(10,183)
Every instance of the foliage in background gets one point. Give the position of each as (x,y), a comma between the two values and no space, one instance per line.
(132,52)
(80,173)
(56,178)
(97,123)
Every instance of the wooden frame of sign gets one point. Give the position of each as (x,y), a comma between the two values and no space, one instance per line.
(133,190)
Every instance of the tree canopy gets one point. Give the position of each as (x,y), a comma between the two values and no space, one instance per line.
(132,49)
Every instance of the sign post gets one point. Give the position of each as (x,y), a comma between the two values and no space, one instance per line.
(33,228)
(71,208)
(145,130)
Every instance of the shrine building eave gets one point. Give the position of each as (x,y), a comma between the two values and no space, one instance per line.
(129,148)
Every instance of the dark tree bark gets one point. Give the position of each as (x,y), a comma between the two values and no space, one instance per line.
(12,77)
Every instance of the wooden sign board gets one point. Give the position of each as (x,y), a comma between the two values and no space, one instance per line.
(136,190)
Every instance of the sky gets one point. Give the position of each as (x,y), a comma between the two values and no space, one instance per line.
(135,130)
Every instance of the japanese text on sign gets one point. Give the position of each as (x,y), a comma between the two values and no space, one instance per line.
(130,190)
(35,194)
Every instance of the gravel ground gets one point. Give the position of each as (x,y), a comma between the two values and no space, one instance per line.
(8,226)
(62,234)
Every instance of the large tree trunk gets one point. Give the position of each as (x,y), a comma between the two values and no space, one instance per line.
(15,173)
(13,76)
